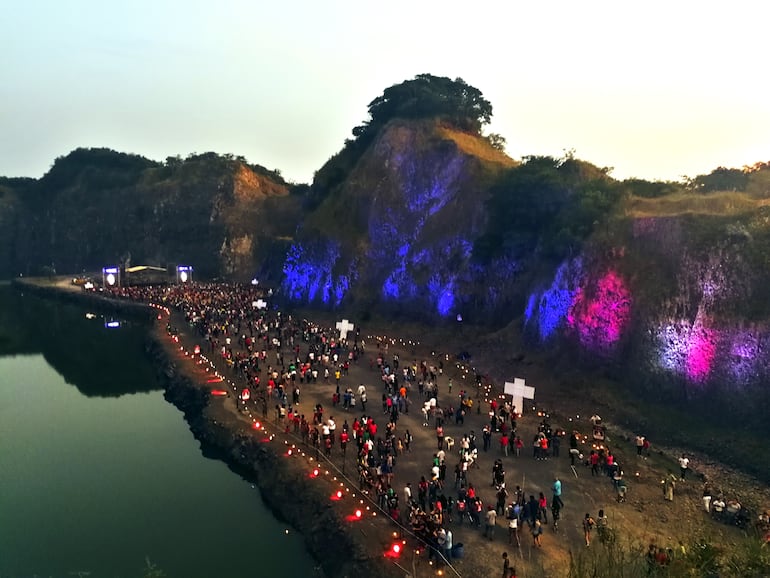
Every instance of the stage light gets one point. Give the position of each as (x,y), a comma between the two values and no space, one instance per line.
(184,273)
(110,276)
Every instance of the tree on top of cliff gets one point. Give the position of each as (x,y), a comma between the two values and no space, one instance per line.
(428,96)
(94,168)
(424,97)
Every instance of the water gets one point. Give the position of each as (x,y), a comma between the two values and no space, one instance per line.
(98,473)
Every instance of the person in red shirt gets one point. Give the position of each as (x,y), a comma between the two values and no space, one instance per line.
(593,459)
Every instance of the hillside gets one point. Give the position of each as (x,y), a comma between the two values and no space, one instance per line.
(96,207)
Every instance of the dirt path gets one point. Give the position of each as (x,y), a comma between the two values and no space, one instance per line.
(645,517)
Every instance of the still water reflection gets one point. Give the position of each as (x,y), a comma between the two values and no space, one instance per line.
(101,476)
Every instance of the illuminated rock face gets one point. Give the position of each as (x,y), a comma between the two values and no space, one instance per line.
(403,238)
(547,309)
(309,277)
(596,310)
(600,312)
(685,337)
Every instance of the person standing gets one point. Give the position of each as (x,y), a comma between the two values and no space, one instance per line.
(448,544)
(491,522)
(486,435)
(513,525)
(639,445)
(669,484)
(408,494)
(506,565)
(588,525)
(707,497)
(556,488)
(542,504)
(537,531)
(684,464)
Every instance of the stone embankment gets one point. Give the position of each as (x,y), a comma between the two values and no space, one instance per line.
(286,489)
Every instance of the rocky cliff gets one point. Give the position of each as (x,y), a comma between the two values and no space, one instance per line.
(397,234)
(97,207)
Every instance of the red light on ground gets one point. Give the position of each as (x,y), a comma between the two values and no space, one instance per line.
(288,453)
(215,380)
(396,548)
(219,392)
(337,496)
(256,425)
(355,517)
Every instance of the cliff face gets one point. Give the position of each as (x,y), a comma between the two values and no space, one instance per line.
(398,233)
(675,302)
(97,207)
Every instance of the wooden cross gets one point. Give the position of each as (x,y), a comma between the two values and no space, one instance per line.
(519,390)
(344,327)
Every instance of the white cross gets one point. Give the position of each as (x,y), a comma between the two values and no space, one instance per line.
(519,390)
(259,304)
(344,326)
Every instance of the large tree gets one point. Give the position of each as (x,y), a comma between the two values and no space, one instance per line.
(428,96)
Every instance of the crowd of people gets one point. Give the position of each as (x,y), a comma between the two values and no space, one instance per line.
(274,357)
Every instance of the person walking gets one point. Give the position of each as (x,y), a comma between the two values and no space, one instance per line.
(684,464)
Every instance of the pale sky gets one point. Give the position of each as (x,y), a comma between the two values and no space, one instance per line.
(655,89)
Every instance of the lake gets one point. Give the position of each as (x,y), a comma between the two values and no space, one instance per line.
(100,476)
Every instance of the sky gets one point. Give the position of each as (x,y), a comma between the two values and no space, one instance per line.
(655,90)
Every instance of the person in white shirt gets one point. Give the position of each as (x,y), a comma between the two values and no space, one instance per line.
(684,463)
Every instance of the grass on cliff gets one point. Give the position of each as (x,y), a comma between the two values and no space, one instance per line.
(719,203)
(476,146)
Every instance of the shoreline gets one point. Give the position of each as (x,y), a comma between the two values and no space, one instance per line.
(286,490)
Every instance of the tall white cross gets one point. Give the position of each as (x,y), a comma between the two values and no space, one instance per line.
(519,390)
(344,327)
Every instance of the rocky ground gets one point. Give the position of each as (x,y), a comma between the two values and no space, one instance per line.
(644,518)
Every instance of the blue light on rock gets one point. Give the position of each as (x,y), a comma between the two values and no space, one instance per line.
(308,274)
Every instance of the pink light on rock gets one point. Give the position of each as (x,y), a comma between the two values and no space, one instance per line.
(700,353)
(599,314)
